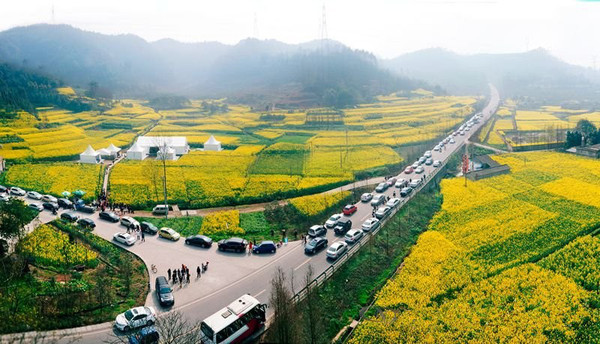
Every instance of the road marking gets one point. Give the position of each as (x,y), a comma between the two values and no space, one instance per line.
(299,266)
(262,291)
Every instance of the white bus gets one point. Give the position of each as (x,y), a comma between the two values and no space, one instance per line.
(243,318)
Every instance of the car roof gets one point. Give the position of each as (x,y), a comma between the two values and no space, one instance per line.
(267,242)
(344,219)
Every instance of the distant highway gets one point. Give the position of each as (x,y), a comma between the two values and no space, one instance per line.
(231,275)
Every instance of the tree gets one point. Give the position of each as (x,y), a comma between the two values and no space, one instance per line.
(14,216)
(586,128)
(573,139)
(163,148)
(285,318)
(173,329)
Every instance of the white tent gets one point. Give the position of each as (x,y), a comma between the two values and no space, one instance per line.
(90,156)
(168,155)
(212,144)
(178,143)
(136,152)
(113,149)
(104,152)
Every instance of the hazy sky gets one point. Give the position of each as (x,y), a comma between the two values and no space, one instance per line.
(568,28)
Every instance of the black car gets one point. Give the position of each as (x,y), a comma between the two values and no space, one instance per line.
(233,244)
(315,245)
(164,291)
(65,203)
(69,217)
(86,208)
(50,206)
(199,240)
(343,225)
(265,247)
(108,216)
(148,227)
(406,191)
(88,223)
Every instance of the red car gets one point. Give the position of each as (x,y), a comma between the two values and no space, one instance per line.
(408,170)
(349,209)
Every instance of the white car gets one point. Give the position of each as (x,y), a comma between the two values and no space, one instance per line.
(393,202)
(34,195)
(49,198)
(366,197)
(36,206)
(415,164)
(468,128)
(4,198)
(382,212)
(17,191)
(427,154)
(353,236)
(414,183)
(437,148)
(135,318)
(370,224)
(124,238)
(452,141)
(127,221)
(462,133)
(437,163)
(336,249)
(400,183)
(419,170)
(332,220)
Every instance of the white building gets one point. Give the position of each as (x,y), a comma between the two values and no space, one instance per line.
(150,145)
(212,144)
(90,156)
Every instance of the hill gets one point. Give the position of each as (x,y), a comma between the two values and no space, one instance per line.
(534,73)
(255,71)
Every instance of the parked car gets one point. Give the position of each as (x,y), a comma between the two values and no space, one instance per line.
(422,160)
(49,198)
(69,217)
(330,223)
(393,202)
(317,231)
(108,216)
(148,227)
(199,240)
(160,209)
(168,233)
(437,148)
(400,183)
(337,249)
(342,226)
(34,195)
(265,247)
(408,170)
(391,181)
(233,244)
(383,212)
(366,197)
(452,141)
(353,236)
(84,208)
(3,189)
(349,209)
(462,133)
(87,223)
(437,163)
(427,154)
(36,206)
(419,170)
(415,164)
(414,183)
(147,335)
(381,187)
(50,206)
(429,161)
(378,200)
(4,198)
(370,224)
(65,203)
(124,238)
(406,191)
(135,318)
(127,221)
(315,245)
(17,191)
(163,290)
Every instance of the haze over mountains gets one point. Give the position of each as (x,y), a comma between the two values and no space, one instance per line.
(315,72)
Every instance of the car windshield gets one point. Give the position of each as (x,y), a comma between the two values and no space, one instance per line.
(333,218)
(129,315)
(313,242)
(165,290)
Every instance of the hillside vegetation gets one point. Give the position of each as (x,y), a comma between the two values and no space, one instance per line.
(506,259)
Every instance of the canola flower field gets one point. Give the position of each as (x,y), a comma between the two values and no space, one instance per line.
(507,259)
(266,157)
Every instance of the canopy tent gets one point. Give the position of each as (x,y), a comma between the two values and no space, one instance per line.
(212,144)
(168,155)
(136,152)
(104,152)
(90,156)
(113,149)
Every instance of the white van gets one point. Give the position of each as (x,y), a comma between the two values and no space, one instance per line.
(160,209)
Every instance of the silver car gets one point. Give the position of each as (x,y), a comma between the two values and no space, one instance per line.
(49,198)
(336,249)
(124,238)
(34,195)
(383,212)
(366,197)
(17,191)
(353,236)
(370,224)
(135,318)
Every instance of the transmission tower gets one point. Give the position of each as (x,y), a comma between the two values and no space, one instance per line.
(323,30)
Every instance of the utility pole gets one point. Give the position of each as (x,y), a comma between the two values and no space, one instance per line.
(465,163)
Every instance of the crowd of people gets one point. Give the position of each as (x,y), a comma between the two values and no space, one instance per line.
(103,204)
(183,275)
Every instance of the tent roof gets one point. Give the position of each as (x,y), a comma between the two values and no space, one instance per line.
(135,148)
(103,151)
(89,151)
(212,141)
(113,149)
(157,141)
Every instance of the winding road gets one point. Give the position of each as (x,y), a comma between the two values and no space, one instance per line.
(231,275)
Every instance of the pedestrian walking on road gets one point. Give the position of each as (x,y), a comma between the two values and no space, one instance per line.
(169,273)
(304,239)
(143,236)
(188,276)
(249,247)
(198,272)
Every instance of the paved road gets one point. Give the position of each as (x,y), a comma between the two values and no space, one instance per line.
(231,275)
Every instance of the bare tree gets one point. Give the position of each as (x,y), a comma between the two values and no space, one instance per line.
(172,327)
(312,310)
(283,328)
(36,338)
(163,147)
